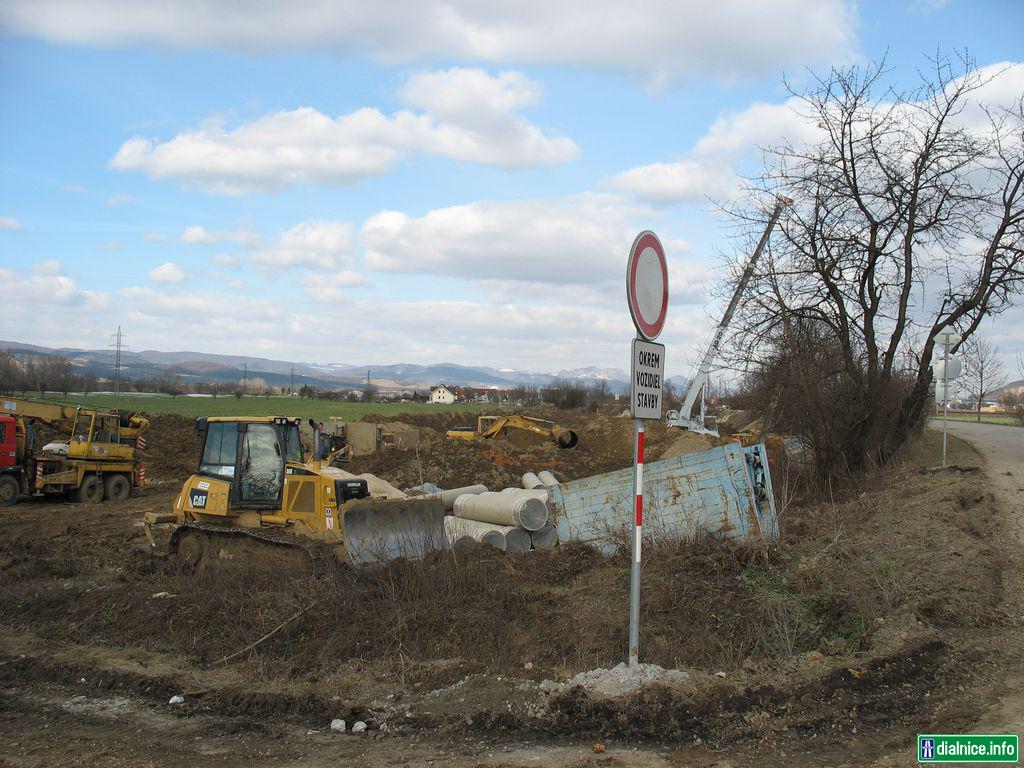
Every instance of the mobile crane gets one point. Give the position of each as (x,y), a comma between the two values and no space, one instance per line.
(683,418)
(96,461)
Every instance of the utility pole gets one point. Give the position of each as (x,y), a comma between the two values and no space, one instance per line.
(291,387)
(118,347)
(245,374)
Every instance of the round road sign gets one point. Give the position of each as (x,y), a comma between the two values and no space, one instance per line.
(647,285)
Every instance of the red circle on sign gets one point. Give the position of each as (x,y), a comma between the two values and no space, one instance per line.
(649,328)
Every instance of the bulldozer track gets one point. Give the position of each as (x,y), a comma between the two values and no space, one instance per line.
(322,556)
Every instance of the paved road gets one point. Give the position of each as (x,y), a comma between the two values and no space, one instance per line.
(1003,449)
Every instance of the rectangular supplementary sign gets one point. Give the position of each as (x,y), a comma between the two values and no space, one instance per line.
(646,375)
(967,748)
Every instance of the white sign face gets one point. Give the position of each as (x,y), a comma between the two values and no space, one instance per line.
(947,369)
(647,285)
(946,338)
(650,285)
(646,375)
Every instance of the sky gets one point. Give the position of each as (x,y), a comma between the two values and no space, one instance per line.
(374,183)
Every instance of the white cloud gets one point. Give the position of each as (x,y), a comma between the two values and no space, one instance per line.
(330,288)
(685,179)
(199,235)
(227,261)
(310,244)
(659,41)
(167,273)
(119,199)
(467,115)
(51,267)
(711,168)
(6,222)
(46,284)
(580,239)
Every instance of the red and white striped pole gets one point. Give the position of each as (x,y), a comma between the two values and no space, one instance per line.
(638,523)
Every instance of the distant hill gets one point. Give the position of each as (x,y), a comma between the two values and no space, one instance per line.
(198,367)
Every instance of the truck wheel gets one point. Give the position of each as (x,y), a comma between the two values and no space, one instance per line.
(90,491)
(116,488)
(8,490)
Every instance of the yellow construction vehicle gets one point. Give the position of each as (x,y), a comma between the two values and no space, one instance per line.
(501,426)
(254,480)
(96,461)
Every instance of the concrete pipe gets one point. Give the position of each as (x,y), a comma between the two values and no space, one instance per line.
(503,509)
(545,538)
(517,540)
(531,481)
(448,497)
(566,438)
(547,478)
(457,530)
(539,493)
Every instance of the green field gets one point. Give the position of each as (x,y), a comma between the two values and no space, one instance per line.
(986,418)
(229,405)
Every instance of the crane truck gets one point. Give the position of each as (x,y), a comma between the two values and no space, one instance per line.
(96,460)
(703,423)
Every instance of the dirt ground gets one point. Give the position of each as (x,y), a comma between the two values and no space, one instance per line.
(883,614)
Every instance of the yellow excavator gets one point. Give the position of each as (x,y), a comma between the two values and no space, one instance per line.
(488,427)
(254,480)
(95,461)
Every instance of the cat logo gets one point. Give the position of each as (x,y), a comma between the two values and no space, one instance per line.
(197,499)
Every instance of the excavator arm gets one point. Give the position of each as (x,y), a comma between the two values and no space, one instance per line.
(488,427)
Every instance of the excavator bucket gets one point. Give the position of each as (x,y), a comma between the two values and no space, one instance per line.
(377,530)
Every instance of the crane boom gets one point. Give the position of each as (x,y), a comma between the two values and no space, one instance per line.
(683,417)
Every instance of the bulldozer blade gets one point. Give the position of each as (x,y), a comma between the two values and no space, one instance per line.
(377,530)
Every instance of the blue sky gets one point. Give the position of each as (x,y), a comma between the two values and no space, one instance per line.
(410,183)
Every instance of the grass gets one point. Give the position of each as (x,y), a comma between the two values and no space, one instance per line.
(986,418)
(229,405)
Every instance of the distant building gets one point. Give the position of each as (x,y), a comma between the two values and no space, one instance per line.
(442,395)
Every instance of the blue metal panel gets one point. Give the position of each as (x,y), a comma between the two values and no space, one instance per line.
(713,491)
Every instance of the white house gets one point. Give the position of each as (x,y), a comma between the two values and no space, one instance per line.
(442,395)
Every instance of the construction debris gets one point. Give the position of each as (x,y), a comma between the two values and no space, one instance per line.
(619,680)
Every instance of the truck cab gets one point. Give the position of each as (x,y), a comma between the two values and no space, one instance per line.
(10,467)
(8,443)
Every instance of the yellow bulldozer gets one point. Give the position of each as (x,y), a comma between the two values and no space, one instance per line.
(94,460)
(488,427)
(255,480)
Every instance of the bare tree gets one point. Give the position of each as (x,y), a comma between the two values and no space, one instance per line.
(905,195)
(983,371)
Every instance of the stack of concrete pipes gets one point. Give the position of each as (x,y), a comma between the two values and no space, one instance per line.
(514,520)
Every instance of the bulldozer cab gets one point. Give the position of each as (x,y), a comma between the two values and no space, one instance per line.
(252,455)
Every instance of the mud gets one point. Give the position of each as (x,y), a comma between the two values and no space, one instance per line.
(820,645)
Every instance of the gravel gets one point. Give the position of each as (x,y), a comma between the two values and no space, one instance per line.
(619,680)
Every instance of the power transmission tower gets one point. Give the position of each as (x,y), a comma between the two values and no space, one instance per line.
(291,388)
(245,374)
(119,347)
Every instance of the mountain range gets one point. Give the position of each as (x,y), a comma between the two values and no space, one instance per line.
(196,367)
